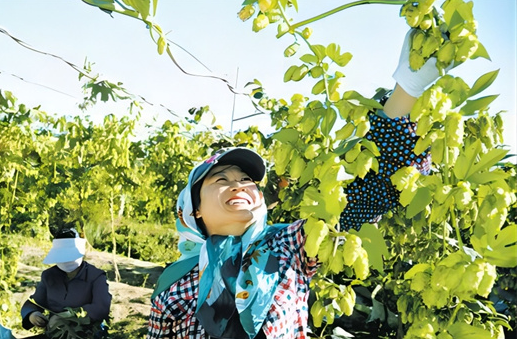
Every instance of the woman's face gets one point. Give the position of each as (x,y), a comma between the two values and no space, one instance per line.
(229,198)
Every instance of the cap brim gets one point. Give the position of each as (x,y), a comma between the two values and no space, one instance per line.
(247,160)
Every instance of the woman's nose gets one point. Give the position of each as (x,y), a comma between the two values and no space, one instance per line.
(238,185)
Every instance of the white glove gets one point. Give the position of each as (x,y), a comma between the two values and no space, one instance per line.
(414,82)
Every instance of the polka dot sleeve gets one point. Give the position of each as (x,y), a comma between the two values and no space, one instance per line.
(369,198)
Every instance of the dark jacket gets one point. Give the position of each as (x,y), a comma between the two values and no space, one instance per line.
(88,289)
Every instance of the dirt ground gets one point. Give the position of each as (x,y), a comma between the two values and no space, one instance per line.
(130,305)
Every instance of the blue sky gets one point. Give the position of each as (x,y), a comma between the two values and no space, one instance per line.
(122,51)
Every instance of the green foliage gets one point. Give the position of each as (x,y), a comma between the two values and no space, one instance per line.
(143,241)
(70,324)
(9,255)
(442,265)
(452,221)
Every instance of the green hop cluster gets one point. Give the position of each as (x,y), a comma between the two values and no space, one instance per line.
(507,280)
(268,12)
(450,38)
(461,28)
(356,256)
(433,110)
(486,128)
(413,311)
(296,109)
(421,329)
(457,275)
(343,298)
(418,13)
(282,156)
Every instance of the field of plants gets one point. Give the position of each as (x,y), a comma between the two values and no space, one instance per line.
(443,264)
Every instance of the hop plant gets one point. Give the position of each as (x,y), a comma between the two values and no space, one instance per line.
(70,324)
(450,38)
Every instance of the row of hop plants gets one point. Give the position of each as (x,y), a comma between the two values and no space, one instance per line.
(118,191)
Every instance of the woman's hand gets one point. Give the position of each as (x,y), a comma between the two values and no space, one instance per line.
(38,319)
(414,82)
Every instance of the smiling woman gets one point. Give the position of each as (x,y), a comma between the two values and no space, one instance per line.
(238,277)
(230,201)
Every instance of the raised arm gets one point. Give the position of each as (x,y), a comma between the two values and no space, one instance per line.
(372,196)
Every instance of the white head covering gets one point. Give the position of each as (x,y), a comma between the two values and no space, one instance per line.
(64,250)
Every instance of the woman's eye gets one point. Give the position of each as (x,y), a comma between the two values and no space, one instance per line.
(246,179)
(220,179)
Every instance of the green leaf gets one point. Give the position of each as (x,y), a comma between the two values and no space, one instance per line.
(502,249)
(353,95)
(286,135)
(485,177)
(506,237)
(319,87)
(364,163)
(335,202)
(483,83)
(3,101)
(316,231)
(486,161)
(462,330)
(291,50)
(309,59)
(466,160)
(374,244)
(161,43)
(456,19)
(416,269)
(371,146)
(421,199)
(328,121)
(142,6)
(407,195)
(289,73)
(319,51)
(282,29)
(347,145)
(481,52)
(295,4)
(333,51)
(155,5)
(472,106)
(300,73)
(308,173)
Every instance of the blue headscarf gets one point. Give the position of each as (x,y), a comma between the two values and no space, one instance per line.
(238,275)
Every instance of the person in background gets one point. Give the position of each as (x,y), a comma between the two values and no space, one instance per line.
(72,283)
(241,278)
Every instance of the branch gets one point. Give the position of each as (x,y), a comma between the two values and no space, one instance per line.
(349,5)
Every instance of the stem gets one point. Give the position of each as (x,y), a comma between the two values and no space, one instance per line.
(444,235)
(336,243)
(454,313)
(284,16)
(446,182)
(455,224)
(15,186)
(114,241)
(13,198)
(349,5)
